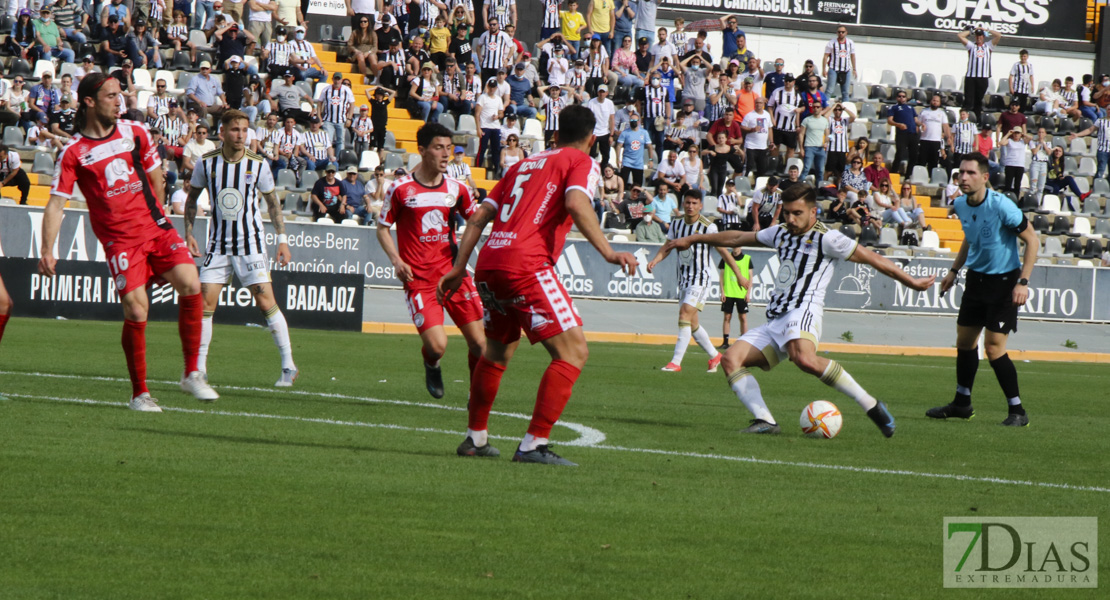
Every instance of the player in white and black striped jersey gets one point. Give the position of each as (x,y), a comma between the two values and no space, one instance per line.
(696,272)
(785,104)
(807,254)
(729,206)
(235,177)
(1021,79)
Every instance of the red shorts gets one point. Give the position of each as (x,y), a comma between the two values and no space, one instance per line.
(464,306)
(536,303)
(137,266)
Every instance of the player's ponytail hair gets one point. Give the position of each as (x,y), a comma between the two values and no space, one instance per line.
(800,191)
(89,86)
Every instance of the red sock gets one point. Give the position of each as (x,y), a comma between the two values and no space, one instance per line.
(471,360)
(484,382)
(555,389)
(189,315)
(134,349)
(428,359)
(4,321)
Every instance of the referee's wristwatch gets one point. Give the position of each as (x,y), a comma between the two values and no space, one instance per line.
(1023,281)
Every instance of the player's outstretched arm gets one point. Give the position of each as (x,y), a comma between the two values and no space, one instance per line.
(404,271)
(724,239)
(51,224)
(582,211)
(449,283)
(273,207)
(887,267)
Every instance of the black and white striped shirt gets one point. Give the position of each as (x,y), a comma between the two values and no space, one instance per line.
(838,134)
(655,102)
(840,54)
(459,171)
(1102,126)
(336,103)
(397,58)
(806,264)
(364,123)
(234,189)
(157,102)
(497,50)
(596,61)
(1071,97)
(964,132)
(979,59)
(279,53)
(551,108)
(451,83)
(731,203)
(551,14)
(784,104)
(694,266)
(501,11)
(767,203)
(1022,76)
(287,142)
(470,90)
(317,144)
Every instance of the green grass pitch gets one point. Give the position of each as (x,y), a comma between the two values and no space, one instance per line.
(348,486)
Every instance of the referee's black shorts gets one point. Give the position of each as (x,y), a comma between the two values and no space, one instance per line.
(988,302)
(739,304)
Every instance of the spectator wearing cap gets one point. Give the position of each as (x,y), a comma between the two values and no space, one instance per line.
(495,50)
(235,83)
(22,37)
(50,37)
(572,24)
(358,201)
(460,47)
(328,198)
(520,94)
(391,67)
(597,65)
(288,97)
(510,126)
(117,9)
(503,90)
(379,115)
(88,65)
(557,65)
(362,128)
(644,58)
(604,114)
(336,107)
(117,45)
(230,41)
(976,80)
(71,20)
(425,91)
(745,98)
(147,45)
(62,124)
(44,99)
(205,93)
(309,67)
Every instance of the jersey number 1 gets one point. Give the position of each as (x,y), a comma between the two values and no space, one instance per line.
(514,197)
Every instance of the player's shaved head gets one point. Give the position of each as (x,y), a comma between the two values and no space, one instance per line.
(576,125)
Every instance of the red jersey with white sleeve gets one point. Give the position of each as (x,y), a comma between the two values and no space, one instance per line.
(425,224)
(123,209)
(532,221)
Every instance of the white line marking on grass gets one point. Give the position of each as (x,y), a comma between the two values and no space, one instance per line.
(587,436)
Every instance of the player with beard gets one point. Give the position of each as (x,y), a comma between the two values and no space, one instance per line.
(116,166)
(423,205)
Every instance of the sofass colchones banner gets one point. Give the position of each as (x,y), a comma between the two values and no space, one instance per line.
(342,257)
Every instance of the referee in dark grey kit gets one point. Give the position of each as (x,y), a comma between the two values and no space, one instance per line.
(997,284)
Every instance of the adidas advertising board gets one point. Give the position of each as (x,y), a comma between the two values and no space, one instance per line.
(330,263)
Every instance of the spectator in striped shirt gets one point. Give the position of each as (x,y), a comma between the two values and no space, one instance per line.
(840,60)
(1021,80)
(71,19)
(1102,126)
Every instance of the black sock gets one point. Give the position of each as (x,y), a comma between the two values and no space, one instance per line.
(967,363)
(1006,373)
(726,339)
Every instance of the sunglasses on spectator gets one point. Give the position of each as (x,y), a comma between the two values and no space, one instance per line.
(778,64)
(857,162)
(18,81)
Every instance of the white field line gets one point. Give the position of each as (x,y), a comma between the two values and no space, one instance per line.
(587,436)
(579,442)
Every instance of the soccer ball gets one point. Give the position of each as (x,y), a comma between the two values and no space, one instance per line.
(821,419)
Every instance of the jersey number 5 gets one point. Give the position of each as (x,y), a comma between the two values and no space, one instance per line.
(514,197)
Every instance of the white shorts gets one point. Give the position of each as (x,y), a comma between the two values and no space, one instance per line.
(252,269)
(694,295)
(771,338)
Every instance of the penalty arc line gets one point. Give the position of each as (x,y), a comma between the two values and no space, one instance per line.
(723,457)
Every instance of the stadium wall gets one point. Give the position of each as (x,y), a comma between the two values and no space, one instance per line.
(339,256)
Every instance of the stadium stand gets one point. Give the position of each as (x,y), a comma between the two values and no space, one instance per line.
(366,61)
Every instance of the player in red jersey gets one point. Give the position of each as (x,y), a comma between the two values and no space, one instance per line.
(423,205)
(532,208)
(118,170)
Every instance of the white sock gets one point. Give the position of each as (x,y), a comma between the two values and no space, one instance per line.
(205,341)
(480,438)
(701,336)
(837,378)
(747,390)
(1016,400)
(279,329)
(531,442)
(962,390)
(682,342)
